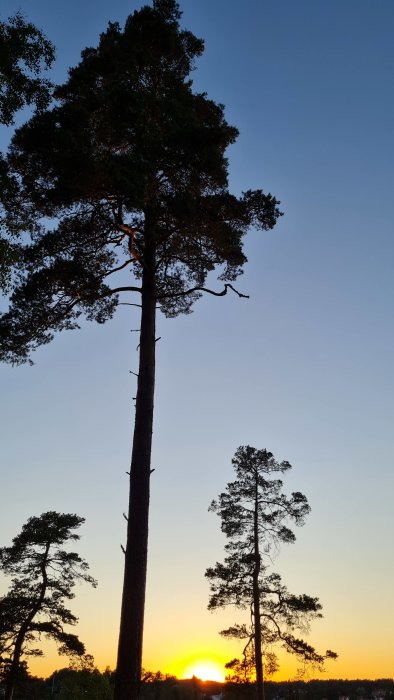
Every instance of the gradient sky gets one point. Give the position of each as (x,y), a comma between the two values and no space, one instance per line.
(303,368)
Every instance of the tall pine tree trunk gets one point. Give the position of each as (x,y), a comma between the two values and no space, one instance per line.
(256,601)
(128,672)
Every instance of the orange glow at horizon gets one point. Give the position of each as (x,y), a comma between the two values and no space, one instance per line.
(205,670)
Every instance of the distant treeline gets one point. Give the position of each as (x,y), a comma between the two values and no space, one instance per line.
(195,689)
(91,684)
(360,689)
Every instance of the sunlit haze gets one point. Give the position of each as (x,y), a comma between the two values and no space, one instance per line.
(206,670)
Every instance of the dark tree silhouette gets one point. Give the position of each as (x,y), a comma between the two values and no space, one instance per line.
(130,165)
(254,515)
(43,577)
(24,54)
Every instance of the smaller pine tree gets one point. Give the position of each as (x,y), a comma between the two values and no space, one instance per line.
(255,513)
(43,578)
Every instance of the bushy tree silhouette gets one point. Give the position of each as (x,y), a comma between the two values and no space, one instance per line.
(43,577)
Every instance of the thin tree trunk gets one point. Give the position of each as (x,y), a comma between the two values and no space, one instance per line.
(256,604)
(13,672)
(128,671)
(14,668)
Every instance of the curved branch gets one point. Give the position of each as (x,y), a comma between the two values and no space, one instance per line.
(121,267)
(130,231)
(204,289)
(247,645)
(126,303)
(117,290)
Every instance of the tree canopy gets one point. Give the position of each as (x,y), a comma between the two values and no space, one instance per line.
(130,164)
(25,53)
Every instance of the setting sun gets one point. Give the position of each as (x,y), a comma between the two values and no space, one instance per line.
(205,670)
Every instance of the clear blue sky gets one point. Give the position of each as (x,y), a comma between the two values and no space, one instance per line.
(304,368)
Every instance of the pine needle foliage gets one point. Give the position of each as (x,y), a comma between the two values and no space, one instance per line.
(25,53)
(255,514)
(43,577)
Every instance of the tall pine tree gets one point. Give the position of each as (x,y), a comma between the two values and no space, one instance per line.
(130,166)
(255,514)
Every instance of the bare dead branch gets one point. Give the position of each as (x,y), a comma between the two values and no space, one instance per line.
(117,290)
(125,303)
(223,293)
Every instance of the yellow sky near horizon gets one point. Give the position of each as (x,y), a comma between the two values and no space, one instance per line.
(204,655)
(182,636)
(209,665)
